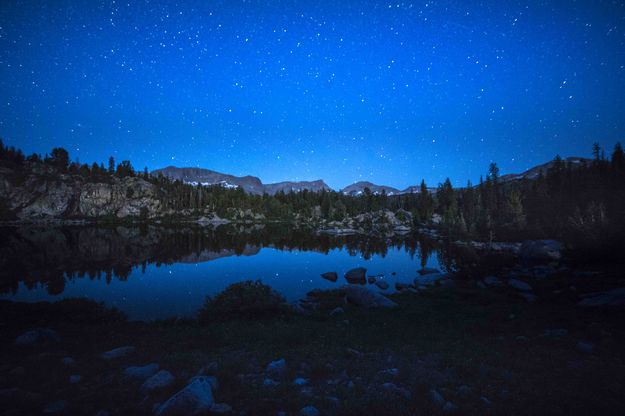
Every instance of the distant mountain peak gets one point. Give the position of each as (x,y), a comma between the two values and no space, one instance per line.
(250,184)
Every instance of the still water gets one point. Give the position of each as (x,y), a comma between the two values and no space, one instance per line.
(160,272)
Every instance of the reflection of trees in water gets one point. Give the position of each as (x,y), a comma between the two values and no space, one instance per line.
(52,256)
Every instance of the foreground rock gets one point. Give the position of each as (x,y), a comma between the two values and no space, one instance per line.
(141,372)
(430,279)
(196,398)
(331,276)
(367,298)
(117,353)
(158,381)
(382,284)
(356,276)
(541,250)
(614,297)
(37,337)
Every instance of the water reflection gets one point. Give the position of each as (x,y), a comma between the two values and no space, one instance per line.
(48,260)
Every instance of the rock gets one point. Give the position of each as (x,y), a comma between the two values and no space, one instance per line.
(309,411)
(56,407)
(75,378)
(117,353)
(464,390)
(555,333)
(37,337)
(371,280)
(449,407)
(614,297)
(277,367)
(399,286)
(68,361)
(194,399)
(428,270)
(158,381)
(519,285)
(436,398)
(268,382)
(300,381)
(142,372)
(209,368)
(529,297)
(356,276)
(221,408)
(103,413)
(337,311)
(429,279)
(492,281)
(212,380)
(382,284)
(541,250)
(585,347)
(331,276)
(367,298)
(485,400)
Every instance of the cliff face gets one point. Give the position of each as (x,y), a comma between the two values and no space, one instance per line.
(43,195)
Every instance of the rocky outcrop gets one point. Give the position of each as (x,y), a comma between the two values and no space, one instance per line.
(47,195)
(126,198)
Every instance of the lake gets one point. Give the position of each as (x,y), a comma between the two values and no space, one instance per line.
(155,272)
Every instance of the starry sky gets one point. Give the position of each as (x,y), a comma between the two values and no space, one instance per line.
(389,92)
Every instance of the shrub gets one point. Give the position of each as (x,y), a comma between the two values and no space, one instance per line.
(248,299)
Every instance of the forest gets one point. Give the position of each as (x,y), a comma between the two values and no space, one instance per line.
(582,204)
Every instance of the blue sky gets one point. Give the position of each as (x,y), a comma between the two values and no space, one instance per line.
(298,90)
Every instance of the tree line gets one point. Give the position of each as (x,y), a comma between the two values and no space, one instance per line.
(582,201)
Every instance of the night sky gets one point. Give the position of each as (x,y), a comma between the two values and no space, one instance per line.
(300,90)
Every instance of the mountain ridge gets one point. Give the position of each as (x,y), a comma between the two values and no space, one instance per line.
(253,184)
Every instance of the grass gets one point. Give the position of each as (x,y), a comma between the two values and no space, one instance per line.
(490,341)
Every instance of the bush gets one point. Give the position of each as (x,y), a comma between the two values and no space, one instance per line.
(248,299)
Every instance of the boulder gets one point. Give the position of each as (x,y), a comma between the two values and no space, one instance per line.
(75,378)
(519,285)
(331,276)
(356,276)
(196,398)
(309,411)
(117,352)
(367,298)
(382,284)
(429,279)
(37,337)
(158,381)
(585,347)
(541,250)
(221,408)
(56,407)
(399,286)
(614,297)
(300,381)
(141,372)
(492,281)
(436,398)
(555,333)
(277,367)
